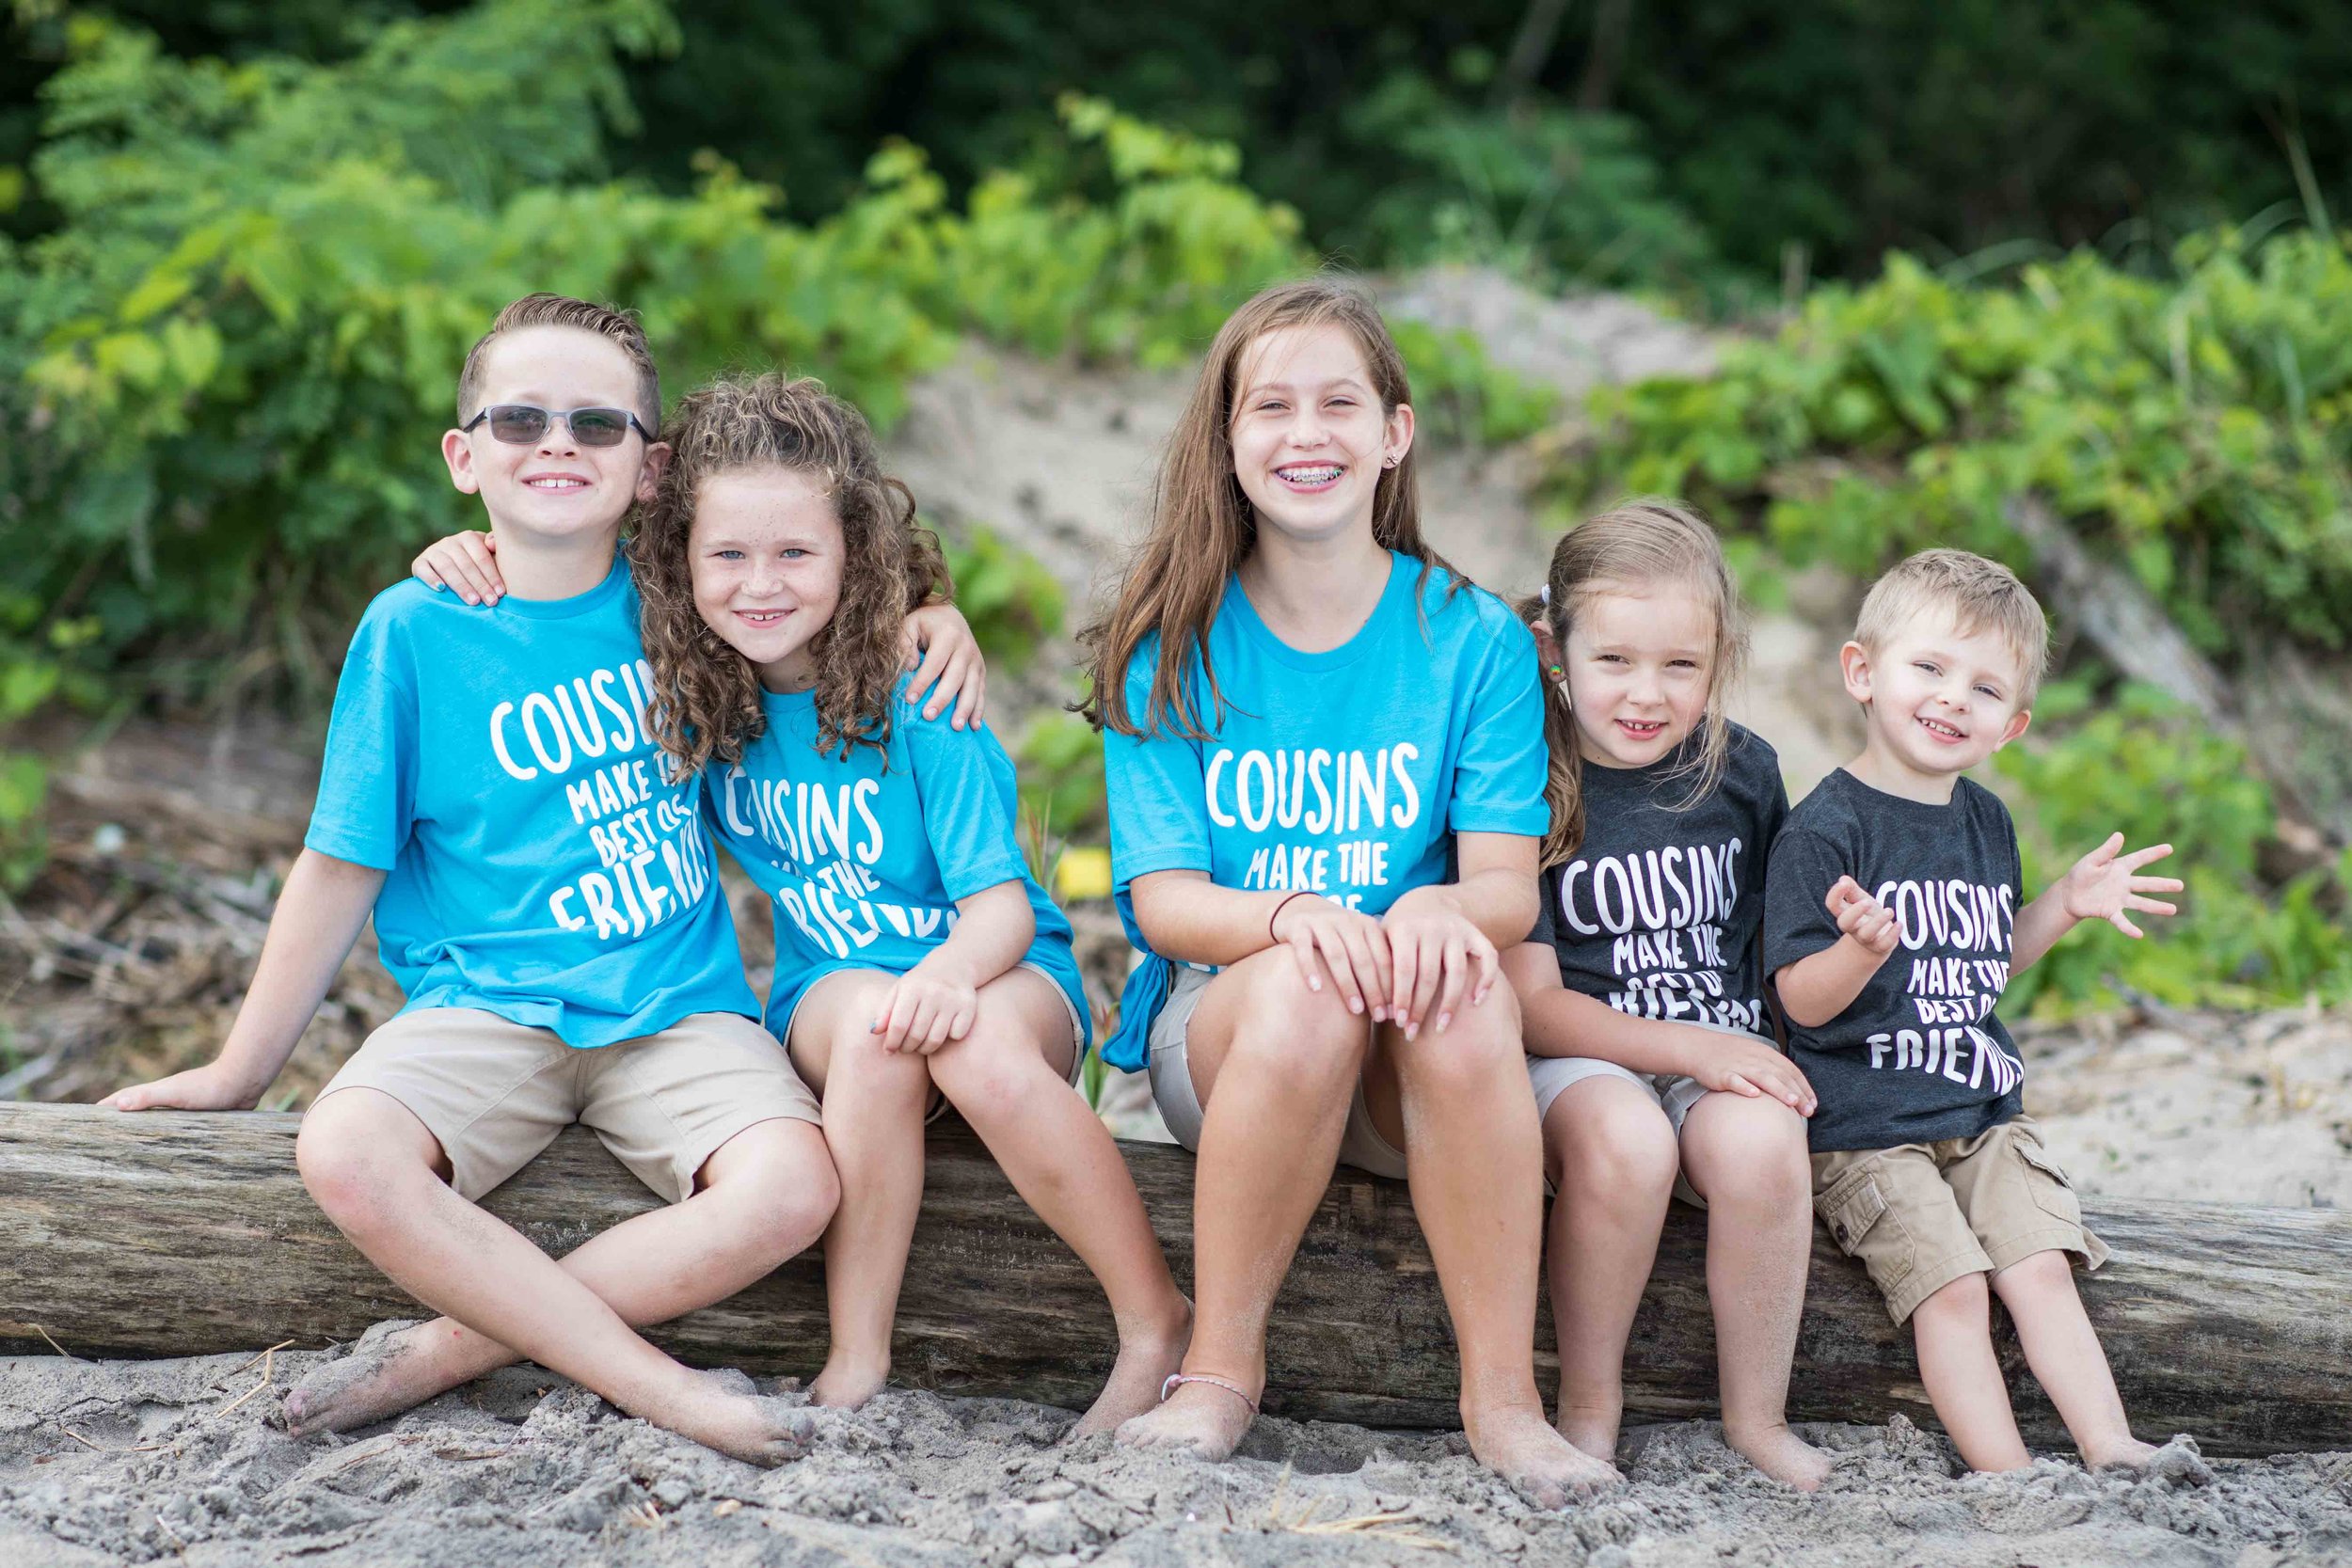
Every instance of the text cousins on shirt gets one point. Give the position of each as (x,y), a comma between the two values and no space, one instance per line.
(1948,992)
(1662,911)
(829,835)
(644,832)
(1318,792)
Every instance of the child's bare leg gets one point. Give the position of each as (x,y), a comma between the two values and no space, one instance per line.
(874,1102)
(1747,1158)
(1276,1066)
(2063,1350)
(1614,1159)
(373,1167)
(1954,1329)
(764,1196)
(1474,1152)
(1009,1079)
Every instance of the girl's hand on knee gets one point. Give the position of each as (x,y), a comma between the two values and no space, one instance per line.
(1436,958)
(922,1012)
(1325,935)
(467,562)
(1753,1069)
(938,645)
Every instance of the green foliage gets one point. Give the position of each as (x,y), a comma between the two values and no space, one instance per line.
(28,677)
(1012,600)
(1834,129)
(1060,763)
(1563,197)
(1146,271)
(2195,429)
(2150,768)
(1464,396)
(223,377)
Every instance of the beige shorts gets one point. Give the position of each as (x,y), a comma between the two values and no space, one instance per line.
(1921,1215)
(1674,1093)
(1361,1145)
(496,1092)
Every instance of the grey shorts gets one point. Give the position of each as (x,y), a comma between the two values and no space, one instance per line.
(1674,1093)
(1361,1145)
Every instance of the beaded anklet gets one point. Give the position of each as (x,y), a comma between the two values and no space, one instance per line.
(1176,1380)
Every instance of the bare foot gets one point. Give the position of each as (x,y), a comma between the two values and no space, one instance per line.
(846,1386)
(1592,1428)
(1146,1357)
(1543,1466)
(2126,1453)
(1781,1455)
(758,1429)
(1199,1418)
(396,1366)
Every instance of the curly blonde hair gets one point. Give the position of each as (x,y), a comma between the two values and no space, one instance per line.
(705,695)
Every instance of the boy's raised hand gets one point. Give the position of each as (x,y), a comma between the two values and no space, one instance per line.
(466,563)
(950,667)
(1863,917)
(2105,884)
(200,1088)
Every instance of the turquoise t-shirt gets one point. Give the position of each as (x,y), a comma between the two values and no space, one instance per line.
(865,856)
(541,864)
(1347,772)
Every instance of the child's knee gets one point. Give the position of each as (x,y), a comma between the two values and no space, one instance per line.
(1956,1302)
(1751,1154)
(858,1055)
(2038,1274)
(988,1075)
(1609,1144)
(352,1163)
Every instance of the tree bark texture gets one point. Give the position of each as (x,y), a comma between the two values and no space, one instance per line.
(179,1234)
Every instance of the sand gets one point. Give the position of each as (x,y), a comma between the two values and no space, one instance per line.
(524,1469)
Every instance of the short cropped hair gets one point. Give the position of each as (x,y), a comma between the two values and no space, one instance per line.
(545,309)
(1977,593)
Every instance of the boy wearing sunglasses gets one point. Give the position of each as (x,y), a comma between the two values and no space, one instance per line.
(545,894)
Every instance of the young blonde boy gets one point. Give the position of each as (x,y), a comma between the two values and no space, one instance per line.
(1894,917)
(543,890)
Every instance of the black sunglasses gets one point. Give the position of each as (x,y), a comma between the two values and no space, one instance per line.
(519,424)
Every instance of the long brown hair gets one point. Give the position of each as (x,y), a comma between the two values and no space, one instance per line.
(1202,527)
(706,701)
(1636,544)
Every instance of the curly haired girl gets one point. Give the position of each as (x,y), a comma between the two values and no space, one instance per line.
(917,962)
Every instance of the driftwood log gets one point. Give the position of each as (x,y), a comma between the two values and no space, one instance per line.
(174,1234)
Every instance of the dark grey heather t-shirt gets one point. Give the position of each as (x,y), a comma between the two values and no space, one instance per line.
(1918,1056)
(1656,912)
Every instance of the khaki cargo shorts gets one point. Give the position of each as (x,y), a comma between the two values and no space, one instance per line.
(496,1092)
(1921,1215)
